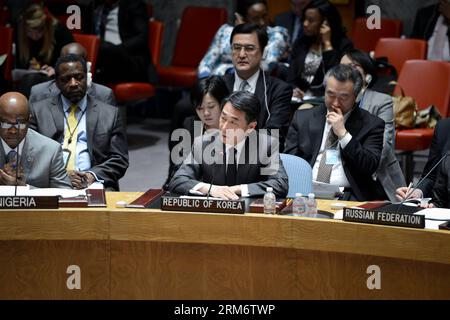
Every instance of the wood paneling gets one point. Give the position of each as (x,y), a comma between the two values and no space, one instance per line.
(150,254)
(37,269)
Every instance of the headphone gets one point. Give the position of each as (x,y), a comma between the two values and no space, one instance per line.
(265,96)
(368,79)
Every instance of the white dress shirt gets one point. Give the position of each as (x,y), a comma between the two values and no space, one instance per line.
(438,47)
(338,176)
(251,82)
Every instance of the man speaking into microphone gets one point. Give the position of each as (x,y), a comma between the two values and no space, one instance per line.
(236,162)
(27,157)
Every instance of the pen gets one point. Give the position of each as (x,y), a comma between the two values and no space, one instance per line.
(407,190)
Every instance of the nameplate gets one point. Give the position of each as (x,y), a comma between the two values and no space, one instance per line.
(398,219)
(29,202)
(202,205)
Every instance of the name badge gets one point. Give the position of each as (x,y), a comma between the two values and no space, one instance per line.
(332,156)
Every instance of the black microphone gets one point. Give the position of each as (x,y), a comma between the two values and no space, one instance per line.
(212,178)
(17,169)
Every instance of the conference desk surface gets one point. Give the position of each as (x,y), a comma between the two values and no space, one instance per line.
(152,254)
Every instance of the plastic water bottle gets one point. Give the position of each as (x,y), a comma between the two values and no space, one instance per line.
(270,202)
(299,205)
(311,206)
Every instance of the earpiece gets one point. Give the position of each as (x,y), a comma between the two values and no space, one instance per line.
(368,79)
(265,96)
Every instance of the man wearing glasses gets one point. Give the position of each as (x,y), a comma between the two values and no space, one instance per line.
(341,142)
(247,44)
(40,158)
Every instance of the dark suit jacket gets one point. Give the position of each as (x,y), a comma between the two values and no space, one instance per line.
(279,95)
(441,189)
(49,89)
(425,23)
(195,169)
(439,145)
(361,156)
(133,29)
(329,59)
(107,143)
(42,162)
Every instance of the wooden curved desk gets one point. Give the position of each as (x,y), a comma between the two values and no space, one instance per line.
(150,254)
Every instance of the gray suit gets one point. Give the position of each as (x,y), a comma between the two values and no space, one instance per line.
(49,89)
(42,162)
(107,144)
(250,170)
(389,172)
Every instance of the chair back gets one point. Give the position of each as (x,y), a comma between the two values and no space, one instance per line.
(197,29)
(398,50)
(366,39)
(92,44)
(155,38)
(6,41)
(299,173)
(428,82)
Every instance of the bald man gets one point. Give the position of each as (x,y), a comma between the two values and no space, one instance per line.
(49,89)
(40,158)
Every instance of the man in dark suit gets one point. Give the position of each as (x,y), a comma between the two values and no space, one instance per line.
(237,161)
(292,20)
(41,161)
(247,43)
(123,30)
(49,89)
(432,24)
(341,142)
(90,131)
(439,146)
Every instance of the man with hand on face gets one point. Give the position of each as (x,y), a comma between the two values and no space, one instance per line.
(40,158)
(341,142)
(90,131)
(237,161)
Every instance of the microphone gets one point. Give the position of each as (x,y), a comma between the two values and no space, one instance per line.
(17,169)
(426,176)
(213,178)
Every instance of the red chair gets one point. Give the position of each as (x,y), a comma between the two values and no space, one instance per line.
(428,82)
(134,91)
(197,29)
(6,41)
(366,39)
(397,50)
(92,44)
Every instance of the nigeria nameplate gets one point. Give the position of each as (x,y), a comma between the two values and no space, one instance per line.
(392,218)
(196,204)
(28,202)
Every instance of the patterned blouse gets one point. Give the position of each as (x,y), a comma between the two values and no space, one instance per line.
(217,60)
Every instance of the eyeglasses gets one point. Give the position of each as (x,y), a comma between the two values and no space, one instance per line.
(248,48)
(18,126)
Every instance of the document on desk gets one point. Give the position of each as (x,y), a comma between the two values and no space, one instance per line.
(63,193)
(326,190)
(435,216)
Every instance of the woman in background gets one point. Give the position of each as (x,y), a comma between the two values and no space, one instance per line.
(206,97)
(320,47)
(40,38)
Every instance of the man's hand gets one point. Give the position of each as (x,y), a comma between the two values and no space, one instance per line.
(335,119)
(224,192)
(400,194)
(238,19)
(81,180)
(8,177)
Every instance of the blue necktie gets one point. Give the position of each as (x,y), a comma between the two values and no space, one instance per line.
(11,156)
